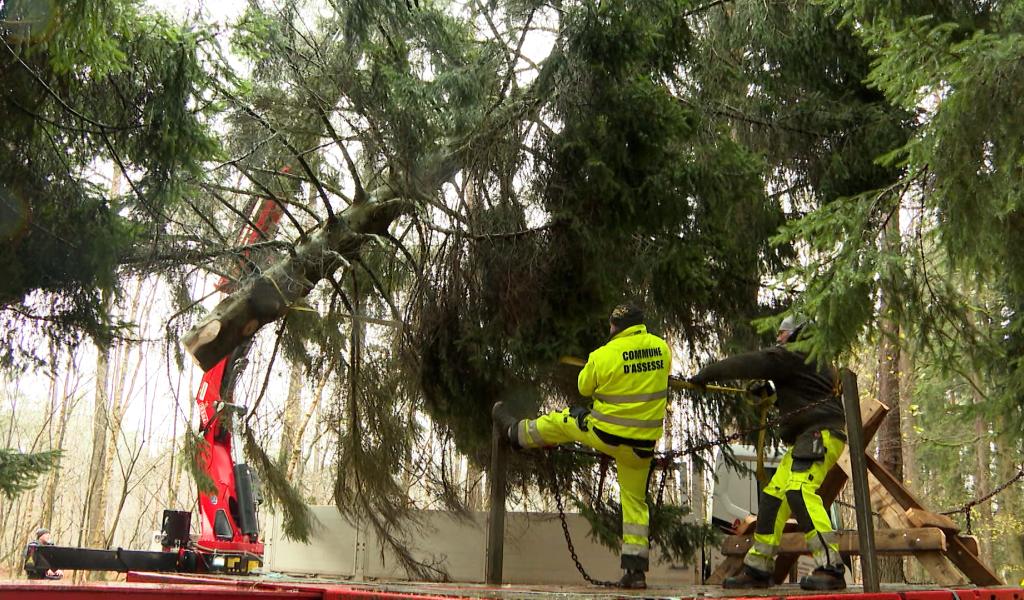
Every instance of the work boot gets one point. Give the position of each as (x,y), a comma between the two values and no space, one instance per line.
(748,578)
(506,422)
(633,579)
(824,578)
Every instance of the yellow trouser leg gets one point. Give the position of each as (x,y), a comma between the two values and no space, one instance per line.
(559,428)
(794,488)
(809,510)
(633,472)
(772,512)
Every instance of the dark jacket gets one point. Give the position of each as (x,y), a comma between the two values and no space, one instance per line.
(797,384)
(33,572)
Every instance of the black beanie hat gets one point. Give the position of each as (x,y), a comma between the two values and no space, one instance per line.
(626,315)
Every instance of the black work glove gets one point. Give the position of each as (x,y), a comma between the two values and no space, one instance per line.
(697,382)
(761,389)
(580,414)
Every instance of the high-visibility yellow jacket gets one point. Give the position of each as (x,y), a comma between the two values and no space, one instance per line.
(628,380)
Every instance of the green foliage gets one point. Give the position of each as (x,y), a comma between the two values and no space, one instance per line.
(664,152)
(643,198)
(298,521)
(676,535)
(193,449)
(87,87)
(956,173)
(19,471)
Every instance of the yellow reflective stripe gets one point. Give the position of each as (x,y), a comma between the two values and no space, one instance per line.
(625,422)
(634,529)
(626,398)
(765,549)
(528,434)
(759,562)
(535,433)
(635,550)
(524,438)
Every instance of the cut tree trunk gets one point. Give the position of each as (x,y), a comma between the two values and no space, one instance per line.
(281,286)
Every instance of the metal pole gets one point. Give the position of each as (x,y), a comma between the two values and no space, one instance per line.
(859,474)
(497,479)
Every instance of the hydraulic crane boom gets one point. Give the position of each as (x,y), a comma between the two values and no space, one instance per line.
(229,528)
(229,539)
(228,524)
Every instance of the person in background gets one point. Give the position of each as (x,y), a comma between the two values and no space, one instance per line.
(42,538)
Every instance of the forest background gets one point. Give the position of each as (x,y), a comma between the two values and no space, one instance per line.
(466,188)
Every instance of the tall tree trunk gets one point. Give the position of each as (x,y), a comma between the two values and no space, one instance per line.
(51,485)
(290,437)
(295,452)
(890,443)
(907,382)
(92,531)
(93,525)
(1009,539)
(982,481)
(127,368)
(912,477)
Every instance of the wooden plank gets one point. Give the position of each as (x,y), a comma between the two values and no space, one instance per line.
(971,544)
(890,541)
(497,478)
(893,514)
(733,563)
(961,556)
(746,525)
(730,566)
(923,518)
(940,569)
(859,475)
(958,552)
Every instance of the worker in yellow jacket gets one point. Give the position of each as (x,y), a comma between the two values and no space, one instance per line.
(627,379)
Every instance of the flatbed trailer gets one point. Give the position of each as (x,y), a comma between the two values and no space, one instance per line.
(165,586)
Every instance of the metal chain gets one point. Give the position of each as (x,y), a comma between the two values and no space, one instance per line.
(664,477)
(661,459)
(853,506)
(969,506)
(565,528)
(732,437)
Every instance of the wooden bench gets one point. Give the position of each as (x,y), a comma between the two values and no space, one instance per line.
(930,538)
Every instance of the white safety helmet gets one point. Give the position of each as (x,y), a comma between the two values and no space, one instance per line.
(792,323)
(791,327)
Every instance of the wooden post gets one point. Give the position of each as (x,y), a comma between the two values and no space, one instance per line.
(861,493)
(496,479)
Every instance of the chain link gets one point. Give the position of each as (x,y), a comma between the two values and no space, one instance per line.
(565,528)
(661,459)
(967,507)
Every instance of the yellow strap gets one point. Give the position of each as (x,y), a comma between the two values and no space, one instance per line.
(766,402)
(285,298)
(673,382)
(762,475)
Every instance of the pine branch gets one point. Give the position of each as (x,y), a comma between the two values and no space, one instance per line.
(19,471)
